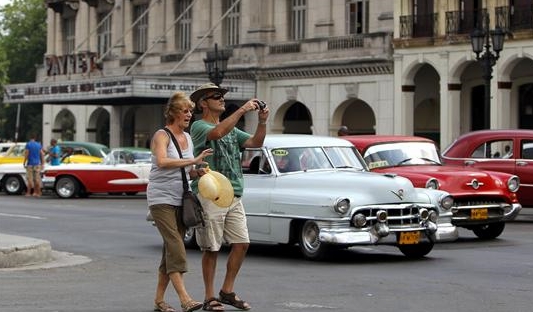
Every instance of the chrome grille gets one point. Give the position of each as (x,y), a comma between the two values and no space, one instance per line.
(399,216)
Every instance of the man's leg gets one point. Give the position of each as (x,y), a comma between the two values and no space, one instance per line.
(235,260)
(38,185)
(209,266)
(29,177)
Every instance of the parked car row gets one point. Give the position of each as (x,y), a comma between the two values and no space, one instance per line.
(324,192)
(13,175)
(483,200)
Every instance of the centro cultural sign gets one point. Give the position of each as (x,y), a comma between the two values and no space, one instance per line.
(115,87)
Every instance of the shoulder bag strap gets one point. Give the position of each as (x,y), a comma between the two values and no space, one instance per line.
(183,174)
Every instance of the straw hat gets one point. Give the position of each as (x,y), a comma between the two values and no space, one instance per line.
(205,88)
(216,187)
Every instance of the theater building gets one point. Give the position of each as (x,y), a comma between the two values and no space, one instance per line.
(110,65)
(385,67)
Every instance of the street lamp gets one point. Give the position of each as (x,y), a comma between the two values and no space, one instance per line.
(216,63)
(481,42)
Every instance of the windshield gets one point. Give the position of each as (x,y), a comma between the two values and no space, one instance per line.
(401,153)
(312,158)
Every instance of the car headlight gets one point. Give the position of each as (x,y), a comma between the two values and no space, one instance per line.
(513,184)
(341,205)
(446,202)
(424,214)
(432,184)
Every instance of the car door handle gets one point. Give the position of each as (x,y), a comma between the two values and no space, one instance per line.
(521,163)
(469,162)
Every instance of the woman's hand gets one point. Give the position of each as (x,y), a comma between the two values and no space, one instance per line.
(199,160)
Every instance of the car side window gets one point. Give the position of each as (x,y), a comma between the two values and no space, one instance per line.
(494,149)
(251,160)
(526,149)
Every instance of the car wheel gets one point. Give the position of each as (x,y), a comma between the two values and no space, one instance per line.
(14,185)
(416,250)
(190,239)
(309,241)
(67,187)
(489,231)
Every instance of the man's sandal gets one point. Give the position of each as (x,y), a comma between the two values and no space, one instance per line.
(191,305)
(162,306)
(232,299)
(212,304)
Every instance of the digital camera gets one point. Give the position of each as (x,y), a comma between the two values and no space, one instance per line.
(262,104)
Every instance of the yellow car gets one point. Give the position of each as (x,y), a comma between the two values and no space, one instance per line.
(83,152)
(15,154)
(81,159)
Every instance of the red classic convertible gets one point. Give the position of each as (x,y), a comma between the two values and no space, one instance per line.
(483,200)
(124,170)
(508,151)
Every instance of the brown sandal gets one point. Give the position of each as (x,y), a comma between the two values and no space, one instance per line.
(212,304)
(162,306)
(191,305)
(231,299)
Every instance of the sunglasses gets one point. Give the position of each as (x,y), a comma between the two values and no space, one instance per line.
(216,96)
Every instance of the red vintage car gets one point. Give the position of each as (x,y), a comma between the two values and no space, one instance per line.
(508,151)
(484,200)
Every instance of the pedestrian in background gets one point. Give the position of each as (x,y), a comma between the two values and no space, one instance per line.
(224,224)
(33,162)
(164,195)
(54,153)
(343,130)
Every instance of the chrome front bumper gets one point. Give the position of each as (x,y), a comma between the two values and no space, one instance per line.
(370,236)
(461,214)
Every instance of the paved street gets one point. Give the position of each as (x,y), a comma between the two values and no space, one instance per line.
(468,275)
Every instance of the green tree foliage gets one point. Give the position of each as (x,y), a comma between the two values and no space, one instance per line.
(22,47)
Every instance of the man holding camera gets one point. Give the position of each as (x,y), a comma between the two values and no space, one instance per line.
(224,223)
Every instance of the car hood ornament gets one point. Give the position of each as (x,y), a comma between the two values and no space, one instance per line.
(475,184)
(398,193)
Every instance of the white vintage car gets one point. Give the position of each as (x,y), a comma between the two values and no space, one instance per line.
(317,192)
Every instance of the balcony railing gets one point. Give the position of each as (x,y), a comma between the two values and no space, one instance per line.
(515,18)
(460,22)
(418,26)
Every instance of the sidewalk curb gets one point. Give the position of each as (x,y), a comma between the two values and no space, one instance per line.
(18,251)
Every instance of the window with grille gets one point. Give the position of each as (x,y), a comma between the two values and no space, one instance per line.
(69,35)
(140,30)
(298,19)
(104,33)
(183,26)
(357,19)
(231,23)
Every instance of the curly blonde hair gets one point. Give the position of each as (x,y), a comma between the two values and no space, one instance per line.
(178,101)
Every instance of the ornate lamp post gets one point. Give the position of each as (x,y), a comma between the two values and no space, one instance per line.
(481,45)
(216,63)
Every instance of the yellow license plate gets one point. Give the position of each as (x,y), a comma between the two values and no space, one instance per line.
(409,238)
(479,214)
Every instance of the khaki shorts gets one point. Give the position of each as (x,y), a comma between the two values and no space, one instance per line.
(222,225)
(33,173)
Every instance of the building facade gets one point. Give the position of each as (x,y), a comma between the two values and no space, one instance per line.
(439,83)
(380,66)
(111,65)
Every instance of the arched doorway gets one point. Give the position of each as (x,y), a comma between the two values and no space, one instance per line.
(64,126)
(297,119)
(358,117)
(427,117)
(426,110)
(477,109)
(525,104)
(98,130)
